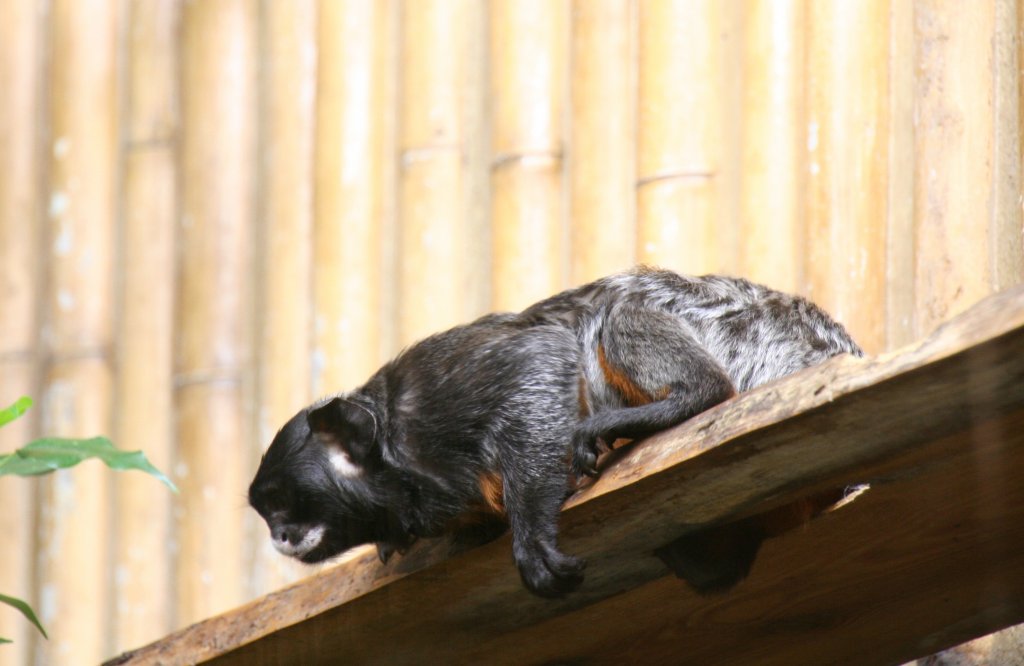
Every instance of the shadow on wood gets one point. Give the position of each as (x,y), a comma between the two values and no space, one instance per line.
(931,555)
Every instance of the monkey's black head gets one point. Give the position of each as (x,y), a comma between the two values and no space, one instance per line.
(316,485)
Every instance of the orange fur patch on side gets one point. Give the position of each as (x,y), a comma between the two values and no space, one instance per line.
(630,392)
(491,490)
(663,393)
(584,404)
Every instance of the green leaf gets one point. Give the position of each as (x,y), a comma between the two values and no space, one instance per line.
(25,609)
(20,406)
(52,453)
(4,640)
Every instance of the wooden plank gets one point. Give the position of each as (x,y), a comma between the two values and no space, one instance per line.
(934,547)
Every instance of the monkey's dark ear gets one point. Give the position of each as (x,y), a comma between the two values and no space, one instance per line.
(347,430)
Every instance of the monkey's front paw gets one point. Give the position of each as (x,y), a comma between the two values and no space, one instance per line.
(385,551)
(585,449)
(549,573)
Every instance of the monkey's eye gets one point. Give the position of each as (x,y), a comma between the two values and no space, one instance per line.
(272,499)
(301,506)
(273,505)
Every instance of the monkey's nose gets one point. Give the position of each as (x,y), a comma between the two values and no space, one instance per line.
(285,534)
(296,540)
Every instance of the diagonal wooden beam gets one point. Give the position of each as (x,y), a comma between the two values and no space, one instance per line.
(931,555)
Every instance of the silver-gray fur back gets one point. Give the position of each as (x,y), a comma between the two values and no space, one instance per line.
(755,333)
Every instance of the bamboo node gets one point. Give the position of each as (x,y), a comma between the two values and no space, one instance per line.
(214,376)
(540,158)
(697,176)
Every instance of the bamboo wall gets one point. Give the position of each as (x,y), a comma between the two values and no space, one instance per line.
(213,211)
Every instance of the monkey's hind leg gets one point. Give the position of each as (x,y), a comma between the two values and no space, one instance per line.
(660,372)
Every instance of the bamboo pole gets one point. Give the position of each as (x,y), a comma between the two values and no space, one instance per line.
(602,162)
(477,261)
(529,49)
(1007,219)
(144,417)
(1020,99)
(899,253)
(387,155)
(145,327)
(848,143)
(19,248)
(75,512)
(727,236)
(213,300)
(680,134)
(771,204)
(346,233)
(75,516)
(285,272)
(18,377)
(967,175)
(435,64)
